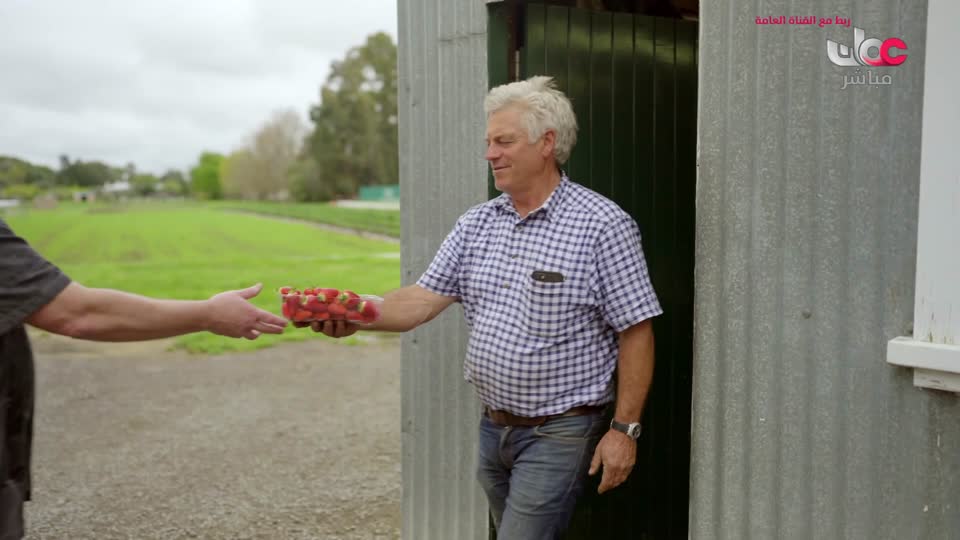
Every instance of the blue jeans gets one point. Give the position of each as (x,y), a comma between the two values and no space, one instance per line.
(533,475)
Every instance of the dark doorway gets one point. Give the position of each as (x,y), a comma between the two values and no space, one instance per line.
(632,76)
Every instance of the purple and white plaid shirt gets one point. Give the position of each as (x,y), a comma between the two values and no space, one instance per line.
(545,297)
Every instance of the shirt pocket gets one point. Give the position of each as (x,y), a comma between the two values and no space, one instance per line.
(551,309)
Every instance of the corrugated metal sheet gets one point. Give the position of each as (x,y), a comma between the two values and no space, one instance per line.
(806,244)
(443,80)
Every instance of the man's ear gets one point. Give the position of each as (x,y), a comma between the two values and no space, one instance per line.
(549,143)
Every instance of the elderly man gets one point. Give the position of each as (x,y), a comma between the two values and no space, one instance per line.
(555,290)
(34,291)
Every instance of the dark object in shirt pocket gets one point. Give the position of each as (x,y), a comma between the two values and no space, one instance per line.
(547,277)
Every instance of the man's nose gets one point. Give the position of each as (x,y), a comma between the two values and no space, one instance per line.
(492,152)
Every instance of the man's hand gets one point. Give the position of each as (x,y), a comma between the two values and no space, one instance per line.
(402,310)
(617,453)
(334,329)
(232,315)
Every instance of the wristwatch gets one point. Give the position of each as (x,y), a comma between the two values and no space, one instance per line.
(632,430)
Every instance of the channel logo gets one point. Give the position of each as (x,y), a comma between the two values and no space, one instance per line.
(889,52)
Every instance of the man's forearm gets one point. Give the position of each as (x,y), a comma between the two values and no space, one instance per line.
(406,308)
(634,371)
(110,315)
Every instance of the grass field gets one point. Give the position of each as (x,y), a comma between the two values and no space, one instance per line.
(386,222)
(193,252)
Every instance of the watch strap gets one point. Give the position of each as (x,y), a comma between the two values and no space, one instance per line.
(632,430)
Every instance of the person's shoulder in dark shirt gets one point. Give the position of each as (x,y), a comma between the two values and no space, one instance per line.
(27,281)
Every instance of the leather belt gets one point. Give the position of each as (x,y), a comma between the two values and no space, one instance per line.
(504,418)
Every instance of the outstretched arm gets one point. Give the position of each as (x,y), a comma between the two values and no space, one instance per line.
(403,309)
(111,315)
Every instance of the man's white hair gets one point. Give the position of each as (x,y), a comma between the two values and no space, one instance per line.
(543,108)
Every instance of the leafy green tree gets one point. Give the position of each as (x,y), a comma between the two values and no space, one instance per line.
(85,173)
(21,191)
(174,183)
(305,183)
(144,184)
(205,176)
(354,138)
(18,171)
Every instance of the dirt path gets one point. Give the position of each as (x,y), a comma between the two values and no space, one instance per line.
(297,441)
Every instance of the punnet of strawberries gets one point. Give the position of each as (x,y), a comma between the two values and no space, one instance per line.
(324,304)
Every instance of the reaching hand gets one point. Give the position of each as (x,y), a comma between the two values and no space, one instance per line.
(334,329)
(617,453)
(233,316)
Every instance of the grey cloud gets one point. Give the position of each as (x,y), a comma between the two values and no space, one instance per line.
(157,83)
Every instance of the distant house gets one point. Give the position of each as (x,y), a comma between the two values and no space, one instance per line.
(118,188)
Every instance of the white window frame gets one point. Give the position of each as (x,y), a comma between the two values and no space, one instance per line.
(934,349)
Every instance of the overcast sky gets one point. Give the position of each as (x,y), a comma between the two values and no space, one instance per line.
(157,82)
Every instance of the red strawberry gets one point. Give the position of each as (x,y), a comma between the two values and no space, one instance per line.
(314,304)
(285,290)
(349,299)
(287,311)
(354,316)
(292,300)
(369,310)
(302,315)
(337,311)
(327,295)
(309,290)
(323,316)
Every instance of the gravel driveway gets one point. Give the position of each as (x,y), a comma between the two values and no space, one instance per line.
(297,441)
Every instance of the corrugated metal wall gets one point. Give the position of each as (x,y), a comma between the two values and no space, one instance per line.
(443,80)
(806,244)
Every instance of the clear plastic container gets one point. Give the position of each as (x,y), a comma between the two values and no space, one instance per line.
(326,304)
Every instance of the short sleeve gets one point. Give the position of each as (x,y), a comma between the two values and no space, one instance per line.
(620,278)
(27,280)
(443,275)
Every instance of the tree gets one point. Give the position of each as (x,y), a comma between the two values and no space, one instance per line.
(174,183)
(205,176)
(144,184)
(354,137)
(21,191)
(85,173)
(305,181)
(17,171)
(259,170)
(235,170)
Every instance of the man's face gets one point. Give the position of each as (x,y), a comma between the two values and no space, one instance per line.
(515,161)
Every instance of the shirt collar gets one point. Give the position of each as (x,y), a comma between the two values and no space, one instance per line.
(550,207)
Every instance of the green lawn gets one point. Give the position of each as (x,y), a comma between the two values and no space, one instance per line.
(386,222)
(194,251)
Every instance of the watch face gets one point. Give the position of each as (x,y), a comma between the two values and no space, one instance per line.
(634,431)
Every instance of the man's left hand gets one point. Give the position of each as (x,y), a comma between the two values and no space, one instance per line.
(617,453)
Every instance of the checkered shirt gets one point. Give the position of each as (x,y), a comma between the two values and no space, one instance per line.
(539,345)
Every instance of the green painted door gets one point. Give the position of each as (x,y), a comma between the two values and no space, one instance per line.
(633,83)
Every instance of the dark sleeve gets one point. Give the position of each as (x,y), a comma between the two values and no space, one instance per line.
(27,280)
